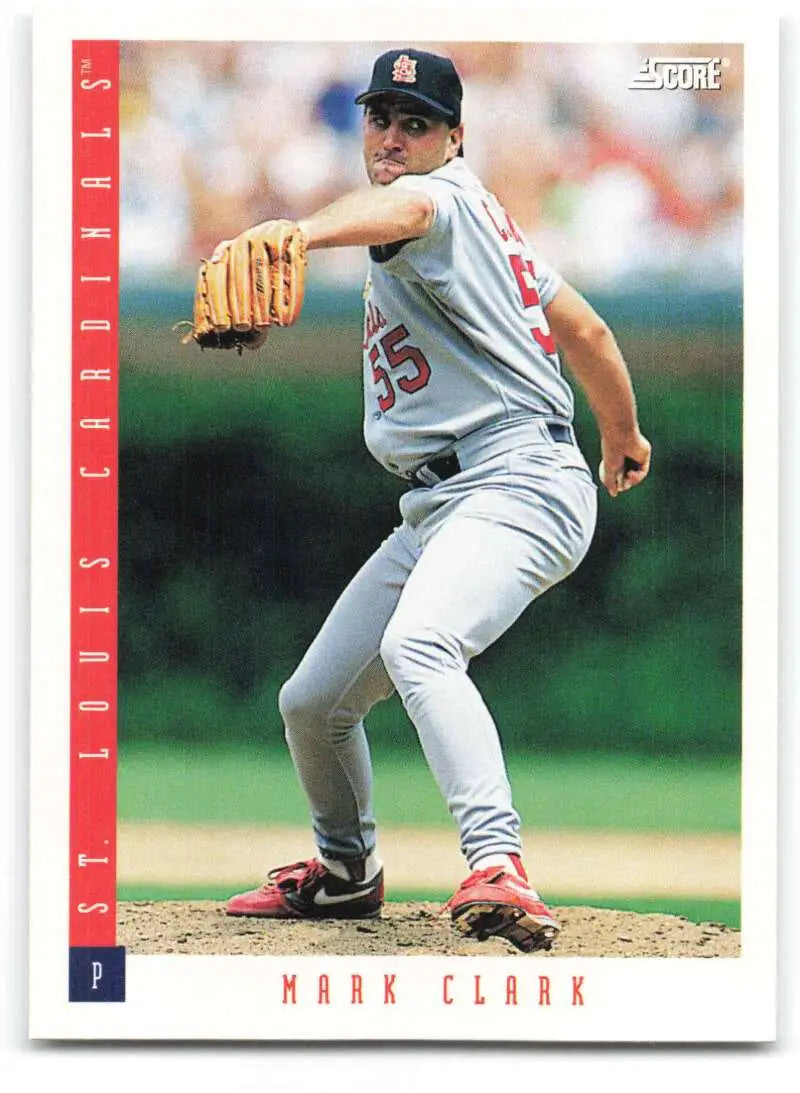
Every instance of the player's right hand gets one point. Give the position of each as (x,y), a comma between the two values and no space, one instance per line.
(625,463)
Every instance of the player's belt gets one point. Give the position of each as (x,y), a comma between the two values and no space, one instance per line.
(439,470)
(561,434)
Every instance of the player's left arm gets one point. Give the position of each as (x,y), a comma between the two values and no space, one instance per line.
(235,303)
(366,217)
(593,355)
(370,216)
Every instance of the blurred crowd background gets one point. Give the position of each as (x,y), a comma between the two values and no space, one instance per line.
(613,185)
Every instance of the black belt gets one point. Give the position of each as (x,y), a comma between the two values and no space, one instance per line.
(447,465)
(438,469)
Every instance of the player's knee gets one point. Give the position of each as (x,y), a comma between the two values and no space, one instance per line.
(308,711)
(411,656)
(298,706)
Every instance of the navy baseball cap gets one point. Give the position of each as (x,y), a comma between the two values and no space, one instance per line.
(425,77)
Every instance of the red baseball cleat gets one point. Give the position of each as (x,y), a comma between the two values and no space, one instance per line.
(308,890)
(493,902)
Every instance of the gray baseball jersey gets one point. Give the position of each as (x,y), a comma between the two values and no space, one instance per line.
(455,335)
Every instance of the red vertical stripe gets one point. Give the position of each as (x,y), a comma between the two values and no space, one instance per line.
(95,323)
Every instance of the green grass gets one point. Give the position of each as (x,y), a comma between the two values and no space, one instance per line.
(204,785)
(726,912)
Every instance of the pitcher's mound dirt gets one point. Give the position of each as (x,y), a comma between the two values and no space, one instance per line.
(407,929)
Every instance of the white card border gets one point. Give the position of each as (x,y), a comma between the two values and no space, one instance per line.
(748,1014)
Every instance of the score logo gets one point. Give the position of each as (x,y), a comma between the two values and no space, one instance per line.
(680,73)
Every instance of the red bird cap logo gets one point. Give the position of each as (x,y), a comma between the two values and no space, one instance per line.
(404,69)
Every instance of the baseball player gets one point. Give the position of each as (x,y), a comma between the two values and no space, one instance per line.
(464,399)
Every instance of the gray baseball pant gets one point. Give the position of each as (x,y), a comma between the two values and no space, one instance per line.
(471,554)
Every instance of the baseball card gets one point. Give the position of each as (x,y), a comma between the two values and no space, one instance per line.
(403,561)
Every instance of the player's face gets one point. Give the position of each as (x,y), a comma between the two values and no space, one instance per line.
(399,141)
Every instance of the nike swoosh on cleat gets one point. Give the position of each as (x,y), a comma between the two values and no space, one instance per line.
(322,899)
(531,893)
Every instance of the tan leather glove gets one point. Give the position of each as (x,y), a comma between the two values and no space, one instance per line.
(248,284)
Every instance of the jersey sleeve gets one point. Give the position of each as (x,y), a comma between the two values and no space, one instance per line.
(429,258)
(548,279)
(439,191)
